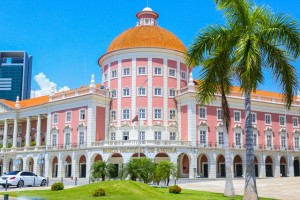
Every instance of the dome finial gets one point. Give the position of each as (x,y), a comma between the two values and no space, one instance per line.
(147,17)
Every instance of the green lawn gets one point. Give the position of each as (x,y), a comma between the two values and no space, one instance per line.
(120,190)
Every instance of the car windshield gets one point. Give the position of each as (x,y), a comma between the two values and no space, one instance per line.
(13,173)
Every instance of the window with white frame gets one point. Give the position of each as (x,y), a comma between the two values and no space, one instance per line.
(147,21)
(254,139)
(283,141)
(54,140)
(142,135)
(219,114)
(157,71)
(55,118)
(157,135)
(268,119)
(19,128)
(253,118)
(141,91)
(237,116)
(282,120)
(295,122)
(126,92)
(172,93)
(68,139)
(126,72)
(172,114)
(157,91)
(238,139)
(126,135)
(141,70)
(142,113)
(202,137)
(172,135)
(105,77)
(157,113)
(68,116)
(82,114)
(269,140)
(81,138)
(221,138)
(126,113)
(183,75)
(113,115)
(172,73)
(112,136)
(114,94)
(296,140)
(202,113)
(114,74)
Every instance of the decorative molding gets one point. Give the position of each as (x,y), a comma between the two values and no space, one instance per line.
(296,131)
(125,124)
(81,125)
(254,127)
(4,108)
(68,127)
(282,130)
(269,128)
(202,123)
(54,128)
(112,125)
(157,124)
(220,124)
(173,124)
(237,126)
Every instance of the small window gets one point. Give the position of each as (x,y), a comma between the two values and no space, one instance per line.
(68,139)
(202,137)
(202,113)
(172,93)
(112,136)
(141,91)
(82,114)
(126,92)
(282,120)
(268,119)
(172,135)
(157,135)
(238,139)
(295,122)
(114,74)
(141,70)
(253,118)
(55,118)
(283,141)
(126,114)
(126,72)
(269,140)
(81,138)
(157,114)
(219,115)
(183,75)
(68,116)
(146,21)
(172,72)
(157,71)
(172,114)
(221,138)
(126,135)
(237,116)
(142,135)
(54,140)
(113,115)
(142,113)
(296,142)
(114,94)
(157,91)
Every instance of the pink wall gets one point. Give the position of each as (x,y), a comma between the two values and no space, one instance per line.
(100,123)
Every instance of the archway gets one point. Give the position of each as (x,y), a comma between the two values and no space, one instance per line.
(117,160)
(202,166)
(238,166)
(283,167)
(184,165)
(161,157)
(98,157)
(135,156)
(256,166)
(68,167)
(221,171)
(269,166)
(296,167)
(54,167)
(30,164)
(19,164)
(82,167)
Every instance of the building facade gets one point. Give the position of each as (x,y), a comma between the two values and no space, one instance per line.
(15,75)
(145,78)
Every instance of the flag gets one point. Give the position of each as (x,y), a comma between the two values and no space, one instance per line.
(136,118)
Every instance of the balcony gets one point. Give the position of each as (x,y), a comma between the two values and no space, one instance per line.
(66,146)
(142,143)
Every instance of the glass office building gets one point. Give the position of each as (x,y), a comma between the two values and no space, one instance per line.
(15,75)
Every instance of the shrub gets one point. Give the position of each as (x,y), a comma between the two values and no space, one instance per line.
(175,189)
(32,143)
(1,145)
(99,192)
(57,186)
(9,145)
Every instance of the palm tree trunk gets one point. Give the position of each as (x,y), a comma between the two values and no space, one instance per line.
(250,192)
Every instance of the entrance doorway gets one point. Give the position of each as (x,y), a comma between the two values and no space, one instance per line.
(205,170)
(223,170)
(82,170)
(282,170)
(239,170)
(296,167)
(269,170)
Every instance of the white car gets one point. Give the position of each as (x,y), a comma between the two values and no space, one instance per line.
(22,178)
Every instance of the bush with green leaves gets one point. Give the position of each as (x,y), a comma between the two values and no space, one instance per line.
(99,192)
(1,145)
(57,186)
(9,145)
(175,189)
(101,169)
(32,143)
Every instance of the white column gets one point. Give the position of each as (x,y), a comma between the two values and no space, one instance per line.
(262,167)
(192,129)
(60,166)
(27,137)
(36,165)
(276,166)
(119,95)
(88,164)
(15,133)
(290,166)
(212,171)
(5,133)
(193,165)
(48,132)
(47,164)
(150,89)
(38,131)
(178,74)
(134,107)
(75,166)
(165,92)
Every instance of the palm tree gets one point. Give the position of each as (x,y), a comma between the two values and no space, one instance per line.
(216,78)
(101,169)
(165,170)
(147,169)
(133,169)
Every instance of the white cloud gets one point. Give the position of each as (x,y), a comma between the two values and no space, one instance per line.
(45,86)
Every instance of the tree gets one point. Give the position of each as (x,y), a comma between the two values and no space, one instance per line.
(133,169)
(146,170)
(257,39)
(101,169)
(216,78)
(165,170)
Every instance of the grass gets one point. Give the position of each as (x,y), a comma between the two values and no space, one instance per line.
(120,190)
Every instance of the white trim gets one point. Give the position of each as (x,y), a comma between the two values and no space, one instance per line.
(161,114)
(169,72)
(128,89)
(284,117)
(138,70)
(123,72)
(154,71)
(123,113)
(116,74)
(255,116)
(270,119)
(66,117)
(155,95)
(297,122)
(240,114)
(181,72)
(270,133)
(84,109)
(55,113)
(205,108)
(173,90)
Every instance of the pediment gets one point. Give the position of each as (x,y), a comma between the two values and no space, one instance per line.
(4,108)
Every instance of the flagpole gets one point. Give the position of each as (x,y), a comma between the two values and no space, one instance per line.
(139,126)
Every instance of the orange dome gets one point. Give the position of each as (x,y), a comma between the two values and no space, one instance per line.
(146,36)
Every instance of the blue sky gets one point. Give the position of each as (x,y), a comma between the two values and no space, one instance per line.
(63,35)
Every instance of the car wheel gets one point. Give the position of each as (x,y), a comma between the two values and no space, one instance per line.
(20,184)
(43,183)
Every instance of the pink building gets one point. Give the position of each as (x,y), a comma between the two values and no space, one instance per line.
(144,75)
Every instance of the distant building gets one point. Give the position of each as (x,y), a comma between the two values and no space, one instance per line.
(15,75)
